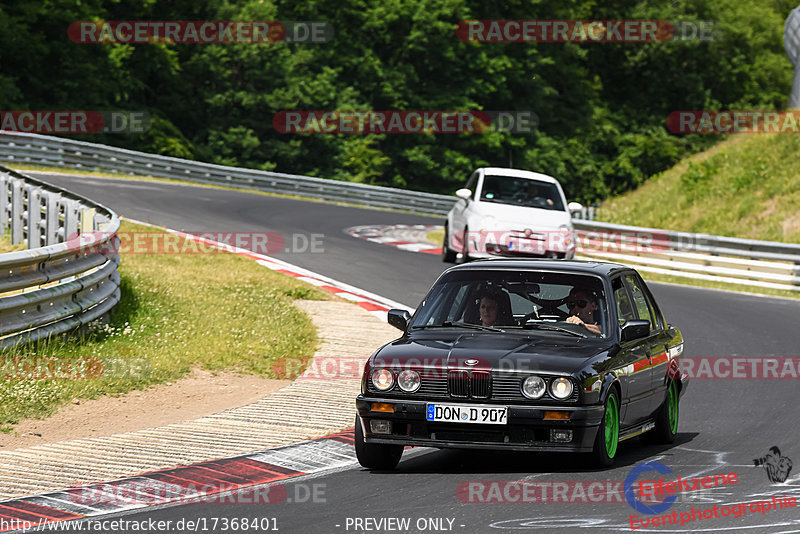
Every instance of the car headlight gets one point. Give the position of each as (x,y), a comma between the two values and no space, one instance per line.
(533,387)
(408,381)
(382,379)
(561,388)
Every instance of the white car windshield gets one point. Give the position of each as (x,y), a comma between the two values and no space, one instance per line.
(521,192)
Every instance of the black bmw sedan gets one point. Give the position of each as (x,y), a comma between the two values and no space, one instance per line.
(529,355)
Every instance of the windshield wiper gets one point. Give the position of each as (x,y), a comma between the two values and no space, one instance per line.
(554,328)
(458,324)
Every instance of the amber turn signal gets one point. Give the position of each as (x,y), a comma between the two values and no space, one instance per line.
(382,407)
(554,416)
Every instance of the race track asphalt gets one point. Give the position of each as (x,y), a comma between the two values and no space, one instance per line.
(725,423)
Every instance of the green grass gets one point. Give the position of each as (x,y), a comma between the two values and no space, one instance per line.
(6,246)
(218,311)
(748,186)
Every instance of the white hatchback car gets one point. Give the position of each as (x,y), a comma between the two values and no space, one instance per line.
(509,212)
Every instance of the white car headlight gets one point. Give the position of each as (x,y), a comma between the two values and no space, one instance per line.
(408,381)
(533,387)
(561,388)
(382,379)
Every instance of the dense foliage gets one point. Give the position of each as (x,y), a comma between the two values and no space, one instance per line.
(602,107)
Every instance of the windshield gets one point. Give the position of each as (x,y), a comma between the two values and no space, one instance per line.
(517,300)
(521,192)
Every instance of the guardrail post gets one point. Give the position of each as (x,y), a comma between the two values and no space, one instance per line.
(51,218)
(5,213)
(70,208)
(87,220)
(17,212)
(34,216)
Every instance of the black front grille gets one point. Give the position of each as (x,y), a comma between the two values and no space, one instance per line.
(458,382)
(473,384)
(480,385)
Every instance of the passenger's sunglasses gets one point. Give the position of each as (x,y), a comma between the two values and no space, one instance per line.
(579,303)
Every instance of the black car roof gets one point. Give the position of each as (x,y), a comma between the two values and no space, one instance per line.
(527,264)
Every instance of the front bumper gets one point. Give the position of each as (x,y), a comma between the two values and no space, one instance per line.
(526,428)
(512,244)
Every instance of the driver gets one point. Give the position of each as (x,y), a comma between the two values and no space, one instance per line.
(582,305)
(533,196)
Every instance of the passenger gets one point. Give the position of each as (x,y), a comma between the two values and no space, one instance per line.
(582,305)
(488,310)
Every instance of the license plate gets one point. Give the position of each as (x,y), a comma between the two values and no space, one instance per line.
(467,413)
(532,246)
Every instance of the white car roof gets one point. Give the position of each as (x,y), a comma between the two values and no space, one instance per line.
(518,173)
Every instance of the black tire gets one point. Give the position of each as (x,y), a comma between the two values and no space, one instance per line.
(604,453)
(667,419)
(448,254)
(376,455)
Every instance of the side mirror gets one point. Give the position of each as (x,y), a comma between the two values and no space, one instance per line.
(635,329)
(465,194)
(574,206)
(399,319)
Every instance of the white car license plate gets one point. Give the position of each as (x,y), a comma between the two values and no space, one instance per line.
(467,413)
(532,246)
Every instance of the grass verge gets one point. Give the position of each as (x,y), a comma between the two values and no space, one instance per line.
(218,311)
(6,246)
(747,186)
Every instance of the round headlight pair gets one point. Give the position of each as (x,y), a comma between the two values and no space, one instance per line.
(408,380)
(534,387)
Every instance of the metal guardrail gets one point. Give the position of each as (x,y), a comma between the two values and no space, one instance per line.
(745,262)
(54,151)
(736,261)
(66,277)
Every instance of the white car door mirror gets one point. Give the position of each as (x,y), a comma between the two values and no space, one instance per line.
(464,193)
(574,206)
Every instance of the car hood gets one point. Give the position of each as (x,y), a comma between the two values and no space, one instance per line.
(512,217)
(490,351)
